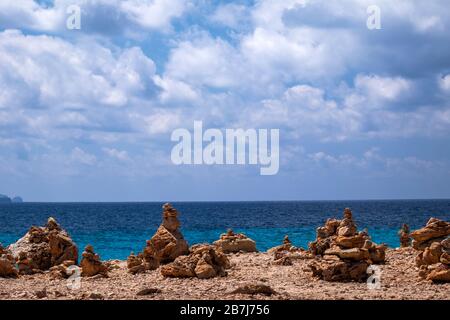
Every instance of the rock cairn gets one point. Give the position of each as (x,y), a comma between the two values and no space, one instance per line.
(405,238)
(137,263)
(342,253)
(285,253)
(91,264)
(7,264)
(165,246)
(231,242)
(63,270)
(44,247)
(204,261)
(433,241)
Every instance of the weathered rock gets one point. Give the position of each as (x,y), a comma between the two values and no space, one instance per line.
(63,270)
(136,264)
(347,227)
(319,246)
(342,253)
(7,264)
(445,258)
(377,253)
(435,231)
(43,247)
(434,260)
(446,244)
(231,242)
(437,272)
(421,246)
(341,271)
(283,261)
(168,243)
(253,289)
(148,291)
(204,261)
(355,241)
(96,296)
(41,294)
(355,254)
(329,229)
(285,253)
(62,247)
(405,239)
(144,263)
(91,264)
(165,246)
(430,255)
(182,267)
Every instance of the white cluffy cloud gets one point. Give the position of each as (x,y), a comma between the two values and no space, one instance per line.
(49,71)
(81,156)
(121,155)
(382,87)
(231,15)
(119,14)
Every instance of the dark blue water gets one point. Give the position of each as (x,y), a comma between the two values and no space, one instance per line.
(115,229)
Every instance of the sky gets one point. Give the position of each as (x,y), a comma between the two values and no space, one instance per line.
(87,115)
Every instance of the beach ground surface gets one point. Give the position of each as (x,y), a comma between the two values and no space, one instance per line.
(398,278)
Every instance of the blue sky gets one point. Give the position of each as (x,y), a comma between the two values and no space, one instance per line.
(86,115)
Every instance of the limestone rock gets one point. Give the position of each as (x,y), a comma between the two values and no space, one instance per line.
(283,261)
(377,253)
(182,267)
(165,246)
(320,245)
(355,254)
(231,242)
(446,244)
(138,264)
(329,229)
(354,241)
(430,255)
(148,291)
(341,271)
(43,247)
(253,289)
(135,264)
(285,253)
(204,261)
(405,239)
(437,273)
(347,227)
(91,264)
(435,231)
(7,264)
(62,271)
(434,242)
(445,258)
(342,253)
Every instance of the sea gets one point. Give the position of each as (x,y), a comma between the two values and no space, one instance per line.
(116,229)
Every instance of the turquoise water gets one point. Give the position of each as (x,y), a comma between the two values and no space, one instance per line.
(116,229)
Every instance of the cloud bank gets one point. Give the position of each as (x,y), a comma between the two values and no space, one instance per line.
(101,102)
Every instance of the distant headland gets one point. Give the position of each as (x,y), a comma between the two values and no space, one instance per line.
(6,199)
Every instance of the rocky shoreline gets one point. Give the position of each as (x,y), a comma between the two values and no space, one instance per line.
(342,263)
(399,280)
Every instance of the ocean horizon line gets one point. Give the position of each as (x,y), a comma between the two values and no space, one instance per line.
(230,201)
